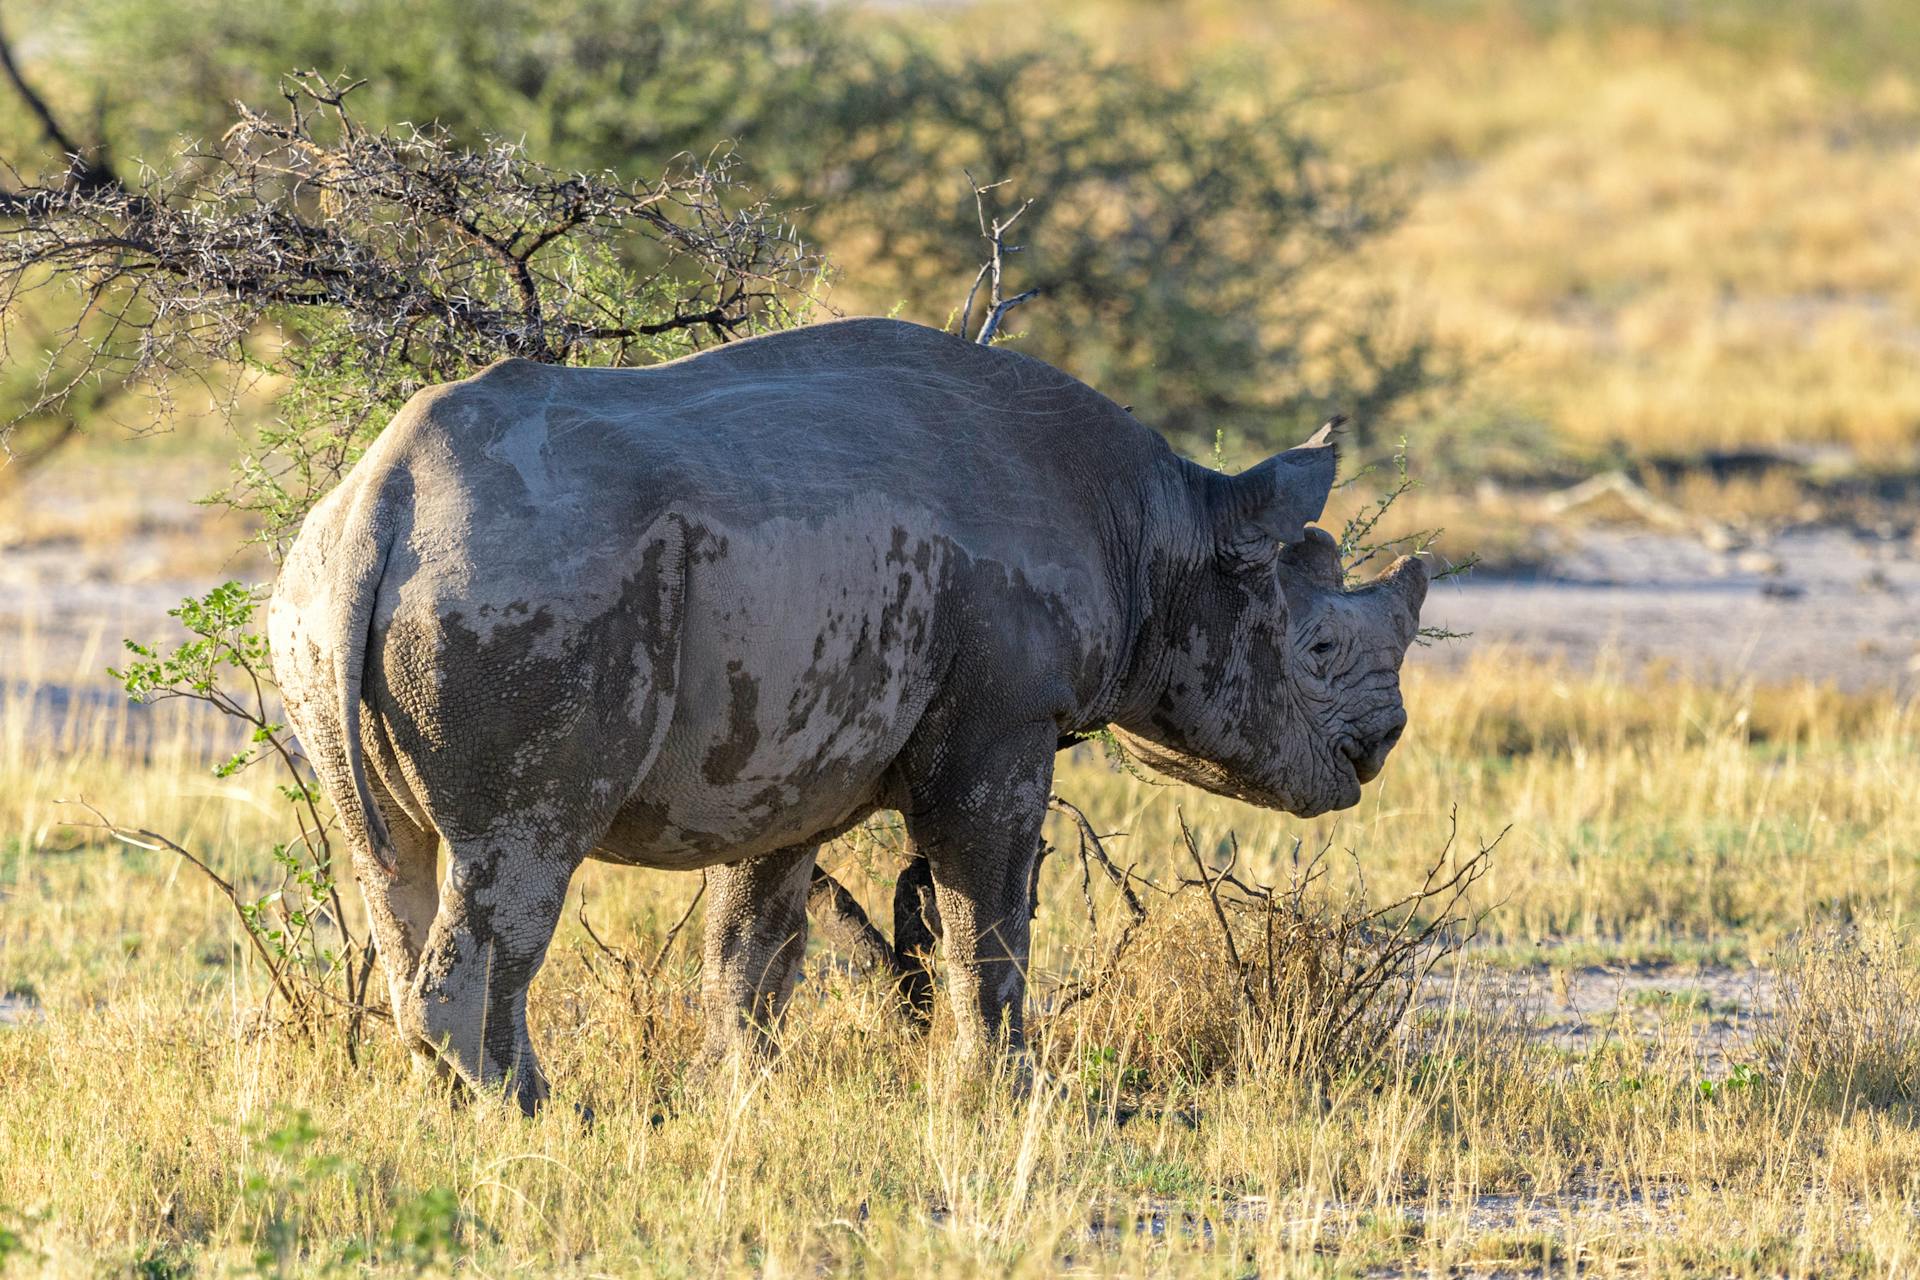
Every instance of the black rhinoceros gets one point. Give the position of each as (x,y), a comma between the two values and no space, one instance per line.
(712,613)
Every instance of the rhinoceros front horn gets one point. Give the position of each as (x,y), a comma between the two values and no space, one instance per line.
(1276,500)
(1406,579)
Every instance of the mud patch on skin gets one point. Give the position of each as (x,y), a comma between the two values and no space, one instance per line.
(842,682)
(729,756)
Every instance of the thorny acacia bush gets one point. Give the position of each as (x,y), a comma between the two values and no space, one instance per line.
(1183,209)
(356,265)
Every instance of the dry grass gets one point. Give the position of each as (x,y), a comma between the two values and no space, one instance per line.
(1850,1014)
(139,1124)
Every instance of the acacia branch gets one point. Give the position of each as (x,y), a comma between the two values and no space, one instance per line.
(435,258)
(141,838)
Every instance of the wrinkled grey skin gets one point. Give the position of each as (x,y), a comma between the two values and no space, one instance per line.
(713,613)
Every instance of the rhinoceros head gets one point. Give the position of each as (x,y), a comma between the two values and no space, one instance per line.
(1281,684)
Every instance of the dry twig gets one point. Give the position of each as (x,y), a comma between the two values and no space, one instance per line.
(991,272)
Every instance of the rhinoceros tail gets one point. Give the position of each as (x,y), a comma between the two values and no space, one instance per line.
(365,539)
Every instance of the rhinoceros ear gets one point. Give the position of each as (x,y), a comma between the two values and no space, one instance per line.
(1273,503)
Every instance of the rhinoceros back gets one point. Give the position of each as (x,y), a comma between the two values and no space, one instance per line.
(812,522)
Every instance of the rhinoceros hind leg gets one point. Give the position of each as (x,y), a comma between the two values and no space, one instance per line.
(756,939)
(401,906)
(499,906)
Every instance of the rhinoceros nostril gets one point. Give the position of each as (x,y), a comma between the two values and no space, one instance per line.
(1370,757)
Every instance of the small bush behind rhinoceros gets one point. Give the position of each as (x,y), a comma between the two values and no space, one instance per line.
(715,612)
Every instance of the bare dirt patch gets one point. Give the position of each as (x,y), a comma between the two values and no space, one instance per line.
(1720,1008)
(1825,603)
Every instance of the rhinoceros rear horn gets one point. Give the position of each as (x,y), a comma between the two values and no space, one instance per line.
(1406,579)
(1317,555)
(1277,499)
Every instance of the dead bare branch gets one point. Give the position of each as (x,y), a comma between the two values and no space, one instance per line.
(1281,977)
(991,273)
(86,172)
(637,975)
(1091,850)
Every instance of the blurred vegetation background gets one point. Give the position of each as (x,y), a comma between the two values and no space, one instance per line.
(1539,238)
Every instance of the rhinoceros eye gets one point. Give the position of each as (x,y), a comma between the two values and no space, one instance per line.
(1322,649)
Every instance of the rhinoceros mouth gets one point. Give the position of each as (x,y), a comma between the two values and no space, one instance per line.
(1337,778)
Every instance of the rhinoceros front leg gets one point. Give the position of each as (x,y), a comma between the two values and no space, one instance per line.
(977,817)
(756,938)
(916,931)
(499,905)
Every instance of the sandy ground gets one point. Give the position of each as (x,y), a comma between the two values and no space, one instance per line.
(95,551)
(1827,603)
(1719,1009)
